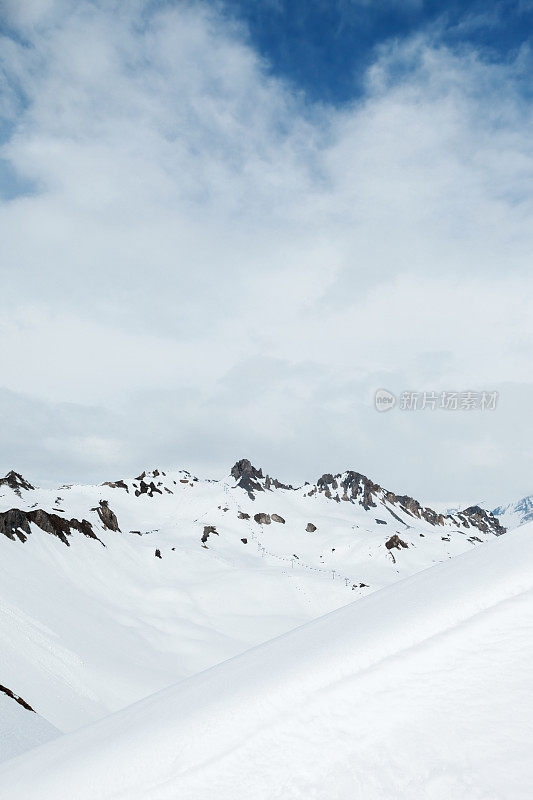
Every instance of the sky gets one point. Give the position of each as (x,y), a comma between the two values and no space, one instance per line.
(225,225)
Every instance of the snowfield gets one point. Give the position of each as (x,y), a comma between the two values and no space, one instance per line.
(20,729)
(420,690)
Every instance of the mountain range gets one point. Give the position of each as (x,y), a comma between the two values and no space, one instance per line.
(112,592)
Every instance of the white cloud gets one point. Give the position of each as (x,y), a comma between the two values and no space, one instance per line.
(198,236)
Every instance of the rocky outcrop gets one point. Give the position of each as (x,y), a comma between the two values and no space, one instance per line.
(277,518)
(395,543)
(243,515)
(116,485)
(15,481)
(310,528)
(262,519)
(355,487)
(252,480)
(16,698)
(15,524)
(147,488)
(107,517)
(248,477)
(483,520)
(208,530)
(273,482)
(352,485)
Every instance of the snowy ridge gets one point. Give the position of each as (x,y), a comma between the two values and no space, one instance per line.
(405,693)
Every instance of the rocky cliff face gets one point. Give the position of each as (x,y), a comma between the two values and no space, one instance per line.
(15,481)
(353,487)
(15,524)
(252,480)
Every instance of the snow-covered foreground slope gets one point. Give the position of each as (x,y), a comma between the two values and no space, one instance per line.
(420,690)
(21,728)
(90,624)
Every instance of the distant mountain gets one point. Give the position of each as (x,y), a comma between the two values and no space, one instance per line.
(111,592)
(514,514)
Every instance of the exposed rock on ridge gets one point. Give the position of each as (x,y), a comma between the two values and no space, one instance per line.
(15,524)
(355,487)
(252,480)
(16,698)
(16,482)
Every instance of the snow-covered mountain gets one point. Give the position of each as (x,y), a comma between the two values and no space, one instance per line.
(109,593)
(517,513)
(421,690)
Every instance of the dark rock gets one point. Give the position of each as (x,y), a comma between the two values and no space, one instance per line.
(147,488)
(252,480)
(310,528)
(244,541)
(247,477)
(262,519)
(243,515)
(395,542)
(16,698)
(116,485)
(16,524)
(208,529)
(354,486)
(107,517)
(277,518)
(380,521)
(16,482)
(158,554)
(483,520)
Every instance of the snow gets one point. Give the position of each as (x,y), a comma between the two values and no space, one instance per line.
(87,630)
(21,729)
(419,690)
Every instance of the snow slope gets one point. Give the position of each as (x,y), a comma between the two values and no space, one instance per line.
(89,628)
(20,728)
(421,690)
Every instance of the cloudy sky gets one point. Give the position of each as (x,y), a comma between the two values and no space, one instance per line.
(224,225)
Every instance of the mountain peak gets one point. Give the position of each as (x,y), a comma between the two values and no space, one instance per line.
(252,480)
(15,481)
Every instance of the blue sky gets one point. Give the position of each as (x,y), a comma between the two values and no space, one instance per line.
(225,225)
(325,46)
